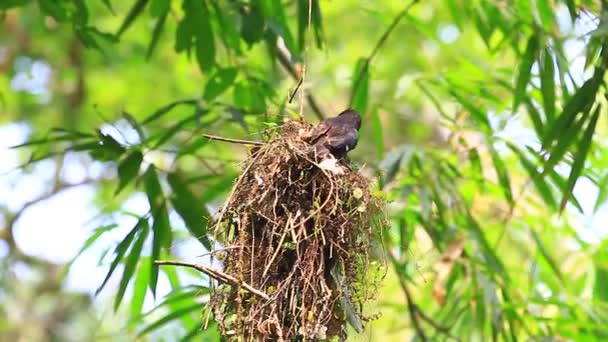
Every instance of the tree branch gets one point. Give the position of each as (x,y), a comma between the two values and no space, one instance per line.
(312,102)
(217,275)
(379,44)
(235,141)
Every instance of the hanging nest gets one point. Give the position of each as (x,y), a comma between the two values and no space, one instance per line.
(299,239)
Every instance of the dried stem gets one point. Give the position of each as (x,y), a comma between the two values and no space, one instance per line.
(217,275)
(235,141)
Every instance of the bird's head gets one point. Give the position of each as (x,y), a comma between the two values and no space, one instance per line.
(352,116)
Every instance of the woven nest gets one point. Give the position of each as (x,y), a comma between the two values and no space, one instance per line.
(298,238)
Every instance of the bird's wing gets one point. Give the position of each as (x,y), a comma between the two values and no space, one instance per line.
(344,140)
(318,131)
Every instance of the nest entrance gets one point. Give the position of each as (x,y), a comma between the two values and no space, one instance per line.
(301,236)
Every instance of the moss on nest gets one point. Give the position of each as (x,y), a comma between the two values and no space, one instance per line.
(302,236)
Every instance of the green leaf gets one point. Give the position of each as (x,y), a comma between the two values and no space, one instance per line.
(524,10)
(153,189)
(600,291)
(359,92)
(107,149)
(582,100)
(160,226)
(475,161)
(524,69)
(139,289)
(91,239)
(205,43)
(542,248)
(252,24)
(176,128)
(54,8)
(568,138)
(377,133)
(539,182)
(535,117)
(169,317)
(6,4)
(132,260)
(228,34)
(108,5)
(166,109)
(315,22)
(159,8)
(156,33)
(120,251)
(279,24)
(128,169)
(545,12)
(501,172)
(192,211)
(493,262)
(580,157)
(135,11)
(219,82)
(480,116)
(547,85)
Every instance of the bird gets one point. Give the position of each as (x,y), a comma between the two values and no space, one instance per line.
(337,135)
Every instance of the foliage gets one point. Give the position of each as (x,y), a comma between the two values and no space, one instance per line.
(482,178)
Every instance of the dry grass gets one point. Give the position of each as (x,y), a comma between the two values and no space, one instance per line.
(286,224)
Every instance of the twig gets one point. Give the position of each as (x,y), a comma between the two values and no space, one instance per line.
(295,91)
(230,140)
(383,38)
(312,102)
(217,275)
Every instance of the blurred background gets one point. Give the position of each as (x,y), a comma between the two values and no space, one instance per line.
(484,128)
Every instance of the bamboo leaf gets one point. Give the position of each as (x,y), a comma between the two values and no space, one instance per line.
(359,91)
(545,13)
(139,288)
(547,85)
(169,317)
(582,100)
(120,251)
(542,248)
(501,172)
(524,71)
(166,109)
(128,169)
(156,33)
(535,117)
(135,11)
(132,260)
(192,210)
(219,82)
(580,157)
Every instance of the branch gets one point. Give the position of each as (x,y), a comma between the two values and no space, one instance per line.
(379,44)
(217,275)
(312,102)
(235,141)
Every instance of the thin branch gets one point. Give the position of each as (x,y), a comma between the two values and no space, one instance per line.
(312,102)
(235,141)
(379,44)
(217,275)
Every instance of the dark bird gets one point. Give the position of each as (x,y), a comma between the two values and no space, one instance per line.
(337,135)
